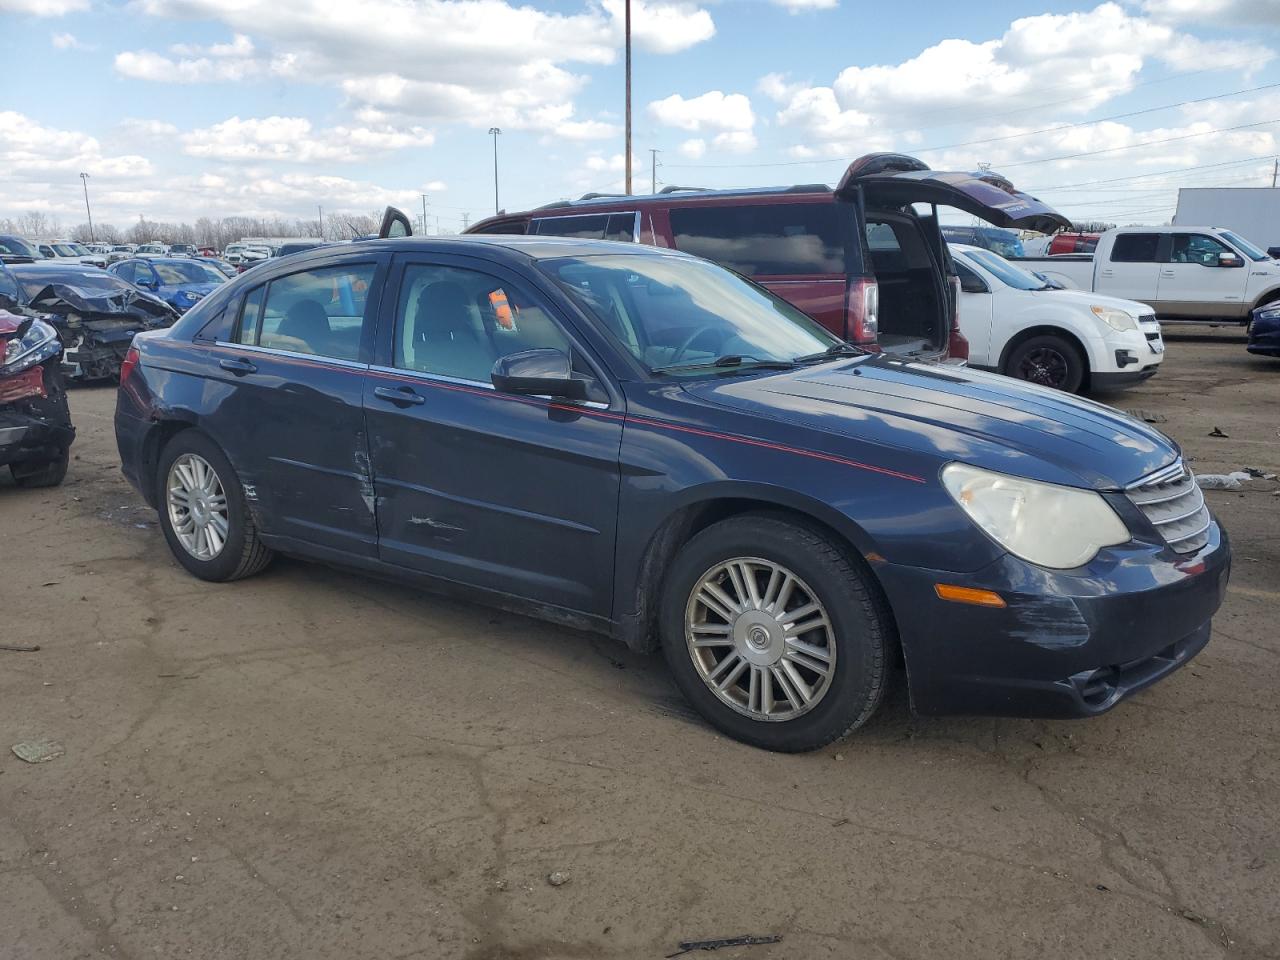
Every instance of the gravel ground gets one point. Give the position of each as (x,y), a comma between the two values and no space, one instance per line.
(312,764)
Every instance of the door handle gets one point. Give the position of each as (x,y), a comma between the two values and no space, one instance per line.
(1107,273)
(399,395)
(237,366)
(1168,273)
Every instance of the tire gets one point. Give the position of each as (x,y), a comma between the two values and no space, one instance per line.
(856,637)
(47,474)
(1048,360)
(241,553)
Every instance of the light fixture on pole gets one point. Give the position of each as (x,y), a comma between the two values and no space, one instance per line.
(84,179)
(627,31)
(494,131)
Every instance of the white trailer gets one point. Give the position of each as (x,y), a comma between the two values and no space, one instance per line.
(1251,212)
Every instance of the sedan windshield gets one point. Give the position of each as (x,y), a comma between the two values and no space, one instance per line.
(189,271)
(674,312)
(1006,272)
(65,250)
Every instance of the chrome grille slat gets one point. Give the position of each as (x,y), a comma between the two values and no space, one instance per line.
(1174,503)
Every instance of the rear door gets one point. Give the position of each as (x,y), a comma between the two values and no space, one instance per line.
(1132,268)
(510,493)
(292,419)
(1192,282)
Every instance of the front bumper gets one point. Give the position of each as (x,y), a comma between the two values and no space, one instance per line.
(37,428)
(1264,339)
(1069,644)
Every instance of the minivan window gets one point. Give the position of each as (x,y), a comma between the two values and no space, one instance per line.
(763,240)
(1135,248)
(599,226)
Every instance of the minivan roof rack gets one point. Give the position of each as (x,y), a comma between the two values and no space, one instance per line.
(674,189)
(602,196)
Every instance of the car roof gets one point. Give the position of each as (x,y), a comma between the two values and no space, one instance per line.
(668,195)
(515,245)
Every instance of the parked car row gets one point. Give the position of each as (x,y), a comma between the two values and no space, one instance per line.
(634,440)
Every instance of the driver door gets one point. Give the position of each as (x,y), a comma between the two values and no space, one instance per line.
(510,493)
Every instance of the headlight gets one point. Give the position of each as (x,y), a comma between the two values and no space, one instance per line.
(1117,320)
(37,345)
(1043,523)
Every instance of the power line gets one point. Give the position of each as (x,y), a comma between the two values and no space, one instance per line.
(1134,146)
(1140,176)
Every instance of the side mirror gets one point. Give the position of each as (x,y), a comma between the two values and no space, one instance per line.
(144,283)
(973,285)
(544,372)
(1229,260)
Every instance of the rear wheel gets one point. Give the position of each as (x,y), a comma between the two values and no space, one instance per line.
(774,634)
(1048,360)
(203,512)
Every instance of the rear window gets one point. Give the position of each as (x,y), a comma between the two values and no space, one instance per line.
(599,226)
(782,239)
(1135,248)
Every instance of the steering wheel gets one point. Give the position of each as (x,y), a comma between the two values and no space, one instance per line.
(693,338)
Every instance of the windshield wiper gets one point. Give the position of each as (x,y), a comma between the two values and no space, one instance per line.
(841,349)
(729,360)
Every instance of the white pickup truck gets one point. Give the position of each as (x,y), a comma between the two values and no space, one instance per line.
(1190,274)
(1069,339)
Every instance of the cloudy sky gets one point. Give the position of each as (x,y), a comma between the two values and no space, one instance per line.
(183,108)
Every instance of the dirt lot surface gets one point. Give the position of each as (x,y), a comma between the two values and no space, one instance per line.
(312,764)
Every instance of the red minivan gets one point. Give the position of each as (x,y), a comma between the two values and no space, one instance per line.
(866,260)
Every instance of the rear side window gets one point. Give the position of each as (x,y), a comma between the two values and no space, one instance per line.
(763,240)
(319,312)
(596,226)
(1135,248)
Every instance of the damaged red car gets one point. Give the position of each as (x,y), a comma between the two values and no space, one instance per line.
(35,422)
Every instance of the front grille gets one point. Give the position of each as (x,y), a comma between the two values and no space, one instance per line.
(1173,502)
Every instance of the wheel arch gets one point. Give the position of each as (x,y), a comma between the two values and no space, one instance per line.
(1270,295)
(153,443)
(1046,329)
(707,506)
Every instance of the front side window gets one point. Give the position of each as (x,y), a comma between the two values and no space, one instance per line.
(125,271)
(191,271)
(1251,251)
(320,312)
(1198,248)
(1135,248)
(457,323)
(671,311)
(763,240)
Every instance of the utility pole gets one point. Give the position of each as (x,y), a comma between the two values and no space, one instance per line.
(320,210)
(84,179)
(628,137)
(653,168)
(424,215)
(494,131)
(466,221)
(1275,172)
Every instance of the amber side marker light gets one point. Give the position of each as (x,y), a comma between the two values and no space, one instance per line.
(971,595)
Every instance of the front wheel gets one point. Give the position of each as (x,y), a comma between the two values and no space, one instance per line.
(774,634)
(1048,360)
(203,511)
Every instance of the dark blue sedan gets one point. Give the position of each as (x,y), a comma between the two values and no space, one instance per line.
(180,281)
(1264,331)
(630,440)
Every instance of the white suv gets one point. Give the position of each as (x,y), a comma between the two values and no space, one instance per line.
(1021,326)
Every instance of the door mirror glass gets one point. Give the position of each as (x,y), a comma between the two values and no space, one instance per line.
(542,372)
(1229,260)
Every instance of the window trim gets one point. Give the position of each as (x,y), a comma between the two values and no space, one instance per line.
(635,226)
(293,354)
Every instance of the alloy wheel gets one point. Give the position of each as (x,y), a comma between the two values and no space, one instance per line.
(197,506)
(1045,366)
(760,639)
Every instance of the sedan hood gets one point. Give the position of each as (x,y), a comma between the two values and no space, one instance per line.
(956,414)
(1087,300)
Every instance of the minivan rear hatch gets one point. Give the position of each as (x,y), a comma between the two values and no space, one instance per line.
(893,180)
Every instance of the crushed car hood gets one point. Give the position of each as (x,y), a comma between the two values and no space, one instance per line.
(957,414)
(65,300)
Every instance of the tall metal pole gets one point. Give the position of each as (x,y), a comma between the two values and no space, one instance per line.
(1275,172)
(495,131)
(424,215)
(628,137)
(320,210)
(84,179)
(653,169)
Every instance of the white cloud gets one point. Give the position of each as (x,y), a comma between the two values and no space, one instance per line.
(29,151)
(713,110)
(66,41)
(1072,63)
(43,8)
(1224,13)
(694,148)
(293,140)
(799,6)
(662,27)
